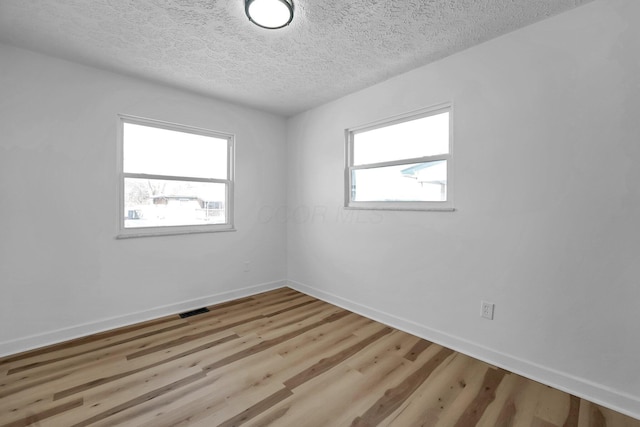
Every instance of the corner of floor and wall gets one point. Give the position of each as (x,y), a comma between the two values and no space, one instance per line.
(547,199)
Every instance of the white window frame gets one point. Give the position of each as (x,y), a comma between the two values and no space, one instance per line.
(123,232)
(399,205)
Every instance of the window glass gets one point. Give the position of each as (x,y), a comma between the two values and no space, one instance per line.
(157,151)
(418,182)
(426,136)
(160,203)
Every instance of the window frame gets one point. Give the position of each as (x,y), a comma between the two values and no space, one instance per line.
(169,230)
(444,206)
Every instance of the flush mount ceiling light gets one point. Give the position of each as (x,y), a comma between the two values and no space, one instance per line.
(270,14)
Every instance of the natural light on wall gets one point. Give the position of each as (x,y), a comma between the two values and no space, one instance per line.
(401,163)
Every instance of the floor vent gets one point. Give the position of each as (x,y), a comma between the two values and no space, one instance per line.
(194,312)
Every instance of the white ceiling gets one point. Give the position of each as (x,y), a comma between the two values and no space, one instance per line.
(332,47)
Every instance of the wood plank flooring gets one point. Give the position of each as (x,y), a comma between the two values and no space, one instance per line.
(280,358)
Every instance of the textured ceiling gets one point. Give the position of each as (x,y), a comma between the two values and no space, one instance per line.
(332,48)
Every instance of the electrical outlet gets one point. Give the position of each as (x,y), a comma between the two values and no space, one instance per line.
(487,310)
(246,266)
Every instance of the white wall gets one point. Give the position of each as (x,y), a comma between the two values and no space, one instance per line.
(547,175)
(62,272)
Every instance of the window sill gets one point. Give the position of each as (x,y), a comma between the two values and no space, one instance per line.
(172,232)
(402,206)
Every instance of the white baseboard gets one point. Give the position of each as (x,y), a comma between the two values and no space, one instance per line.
(597,393)
(78,331)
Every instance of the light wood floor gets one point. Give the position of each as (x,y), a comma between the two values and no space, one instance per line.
(280,358)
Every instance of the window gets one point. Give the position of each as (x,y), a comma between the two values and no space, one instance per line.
(402,163)
(174,179)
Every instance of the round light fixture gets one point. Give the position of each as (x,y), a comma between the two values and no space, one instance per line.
(270,14)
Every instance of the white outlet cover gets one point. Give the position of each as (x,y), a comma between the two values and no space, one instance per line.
(486,310)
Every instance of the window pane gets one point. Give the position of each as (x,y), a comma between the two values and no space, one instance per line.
(158,151)
(427,136)
(418,182)
(158,203)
